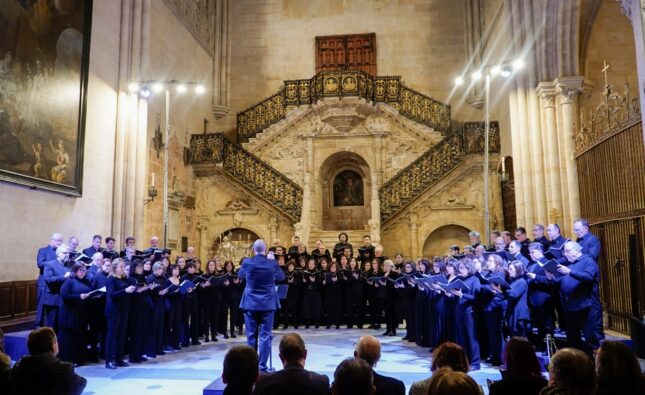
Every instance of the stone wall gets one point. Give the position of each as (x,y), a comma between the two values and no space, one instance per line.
(272,41)
(29,217)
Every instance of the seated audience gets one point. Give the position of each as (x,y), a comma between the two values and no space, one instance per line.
(447,355)
(523,373)
(368,349)
(571,372)
(353,376)
(5,365)
(618,371)
(446,381)
(41,372)
(294,378)
(240,371)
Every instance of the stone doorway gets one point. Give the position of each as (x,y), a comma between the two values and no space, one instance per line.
(345,188)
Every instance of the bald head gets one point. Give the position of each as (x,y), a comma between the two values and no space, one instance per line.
(292,350)
(368,349)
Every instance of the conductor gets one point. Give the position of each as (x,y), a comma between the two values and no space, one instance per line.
(260,299)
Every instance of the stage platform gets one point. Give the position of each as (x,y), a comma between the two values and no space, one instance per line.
(196,369)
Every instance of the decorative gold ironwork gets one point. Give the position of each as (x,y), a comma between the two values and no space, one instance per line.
(433,165)
(256,175)
(612,115)
(387,89)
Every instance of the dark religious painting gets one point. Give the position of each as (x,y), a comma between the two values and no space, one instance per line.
(44,59)
(348,189)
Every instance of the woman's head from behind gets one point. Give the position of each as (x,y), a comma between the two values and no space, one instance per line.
(447,381)
(520,359)
(450,355)
(615,361)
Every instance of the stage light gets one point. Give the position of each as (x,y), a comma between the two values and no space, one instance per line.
(476,75)
(157,87)
(133,87)
(518,64)
(495,70)
(459,80)
(181,88)
(199,89)
(145,92)
(506,71)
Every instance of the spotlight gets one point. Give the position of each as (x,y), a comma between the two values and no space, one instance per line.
(459,80)
(506,71)
(495,70)
(476,75)
(157,87)
(145,92)
(518,64)
(181,88)
(199,89)
(133,87)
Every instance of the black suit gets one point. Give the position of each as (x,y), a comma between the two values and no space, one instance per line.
(293,379)
(388,385)
(45,254)
(53,376)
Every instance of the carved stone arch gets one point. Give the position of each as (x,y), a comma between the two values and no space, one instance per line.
(440,239)
(344,217)
(241,238)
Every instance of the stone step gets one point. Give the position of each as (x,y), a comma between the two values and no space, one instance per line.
(330,237)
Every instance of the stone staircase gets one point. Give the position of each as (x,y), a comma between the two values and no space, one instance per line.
(330,237)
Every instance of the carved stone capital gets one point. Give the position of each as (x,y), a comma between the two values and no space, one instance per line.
(546,91)
(413,221)
(568,88)
(220,111)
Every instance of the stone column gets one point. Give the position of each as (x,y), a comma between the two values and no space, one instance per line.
(273,229)
(567,89)
(221,61)
(202,227)
(304,225)
(635,12)
(413,225)
(376,178)
(546,91)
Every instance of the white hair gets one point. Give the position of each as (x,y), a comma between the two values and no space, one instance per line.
(259,247)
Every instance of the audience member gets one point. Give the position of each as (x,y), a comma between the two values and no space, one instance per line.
(240,371)
(53,376)
(446,381)
(618,370)
(571,372)
(5,365)
(353,376)
(294,378)
(447,355)
(368,349)
(523,373)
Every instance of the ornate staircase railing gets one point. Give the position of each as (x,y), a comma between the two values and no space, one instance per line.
(433,165)
(386,89)
(209,150)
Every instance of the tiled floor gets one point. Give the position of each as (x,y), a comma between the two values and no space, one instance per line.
(190,370)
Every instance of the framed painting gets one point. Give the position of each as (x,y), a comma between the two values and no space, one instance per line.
(348,189)
(44,61)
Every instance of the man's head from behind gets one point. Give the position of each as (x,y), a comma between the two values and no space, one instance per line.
(42,340)
(368,349)
(353,376)
(240,368)
(292,350)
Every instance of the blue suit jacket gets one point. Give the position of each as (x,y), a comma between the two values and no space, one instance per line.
(590,246)
(261,275)
(577,288)
(45,254)
(54,275)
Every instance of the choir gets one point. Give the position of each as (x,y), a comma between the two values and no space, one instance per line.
(105,304)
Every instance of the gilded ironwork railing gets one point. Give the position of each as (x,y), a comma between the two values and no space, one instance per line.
(433,165)
(250,171)
(386,89)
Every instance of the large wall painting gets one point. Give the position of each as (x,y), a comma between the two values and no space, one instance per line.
(348,189)
(44,60)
